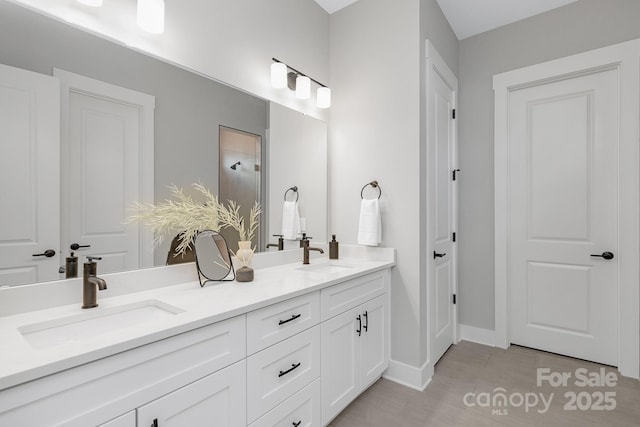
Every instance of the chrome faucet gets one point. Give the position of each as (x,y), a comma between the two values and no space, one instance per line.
(306,249)
(91,283)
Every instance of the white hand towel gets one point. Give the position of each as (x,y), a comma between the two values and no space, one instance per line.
(370,230)
(290,221)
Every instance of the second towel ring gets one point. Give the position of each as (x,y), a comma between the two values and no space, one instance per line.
(295,190)
(374,184)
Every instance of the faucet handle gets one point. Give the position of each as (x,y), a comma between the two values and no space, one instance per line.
(92,258)
(278,235)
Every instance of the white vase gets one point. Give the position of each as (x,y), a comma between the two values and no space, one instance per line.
(244,253)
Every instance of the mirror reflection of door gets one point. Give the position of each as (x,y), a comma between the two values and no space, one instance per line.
(240,173)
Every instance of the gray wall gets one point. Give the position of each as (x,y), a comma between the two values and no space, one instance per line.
(376,122)
(189,108)
(577,27)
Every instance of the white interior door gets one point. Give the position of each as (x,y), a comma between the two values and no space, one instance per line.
(105,170)
(442,199)
(29,176)
(563,175)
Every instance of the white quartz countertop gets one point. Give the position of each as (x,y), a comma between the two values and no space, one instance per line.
(22,361)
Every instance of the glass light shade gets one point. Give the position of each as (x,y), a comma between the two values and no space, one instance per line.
(323,97)
(94,3)
(303,87)
(151,16)
(278,75)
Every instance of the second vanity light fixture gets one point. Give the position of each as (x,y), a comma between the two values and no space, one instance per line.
(150,14)
(281,77)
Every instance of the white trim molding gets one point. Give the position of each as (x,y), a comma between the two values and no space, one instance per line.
(409,376)
(477,335)
(626,57)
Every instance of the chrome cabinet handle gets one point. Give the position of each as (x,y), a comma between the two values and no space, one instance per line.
(359,330)
(293,317)
(293,366)
(366,325)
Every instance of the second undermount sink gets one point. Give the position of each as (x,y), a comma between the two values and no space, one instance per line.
(326,268)
(95,322)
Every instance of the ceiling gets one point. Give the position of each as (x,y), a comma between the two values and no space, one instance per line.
(471,17)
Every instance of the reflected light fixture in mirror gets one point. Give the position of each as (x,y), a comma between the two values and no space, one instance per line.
(151,16)
(93,3)
(303,87)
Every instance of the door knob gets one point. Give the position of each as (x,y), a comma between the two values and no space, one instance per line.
(605,255)
(437,255)
(48,253)
(76,246)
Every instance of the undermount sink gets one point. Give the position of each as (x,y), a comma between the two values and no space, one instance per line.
(95,322)
(326,268)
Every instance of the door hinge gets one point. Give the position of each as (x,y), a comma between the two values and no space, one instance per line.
(454,298)
(453,237)
(454,174)
(453,113)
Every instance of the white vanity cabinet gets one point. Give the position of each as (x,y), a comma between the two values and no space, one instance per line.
(217,399)
(297,361)
(105,389)
(355,342)
(279,375)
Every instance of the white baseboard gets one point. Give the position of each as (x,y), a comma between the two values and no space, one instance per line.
(478,335)
(409,376)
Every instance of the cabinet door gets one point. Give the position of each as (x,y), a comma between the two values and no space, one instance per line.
(340,351)
(126,420)
(217,399)
(373,343)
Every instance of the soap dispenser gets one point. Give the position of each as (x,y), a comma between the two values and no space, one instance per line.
(333,248)
(71,266)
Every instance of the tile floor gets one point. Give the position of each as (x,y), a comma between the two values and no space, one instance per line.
(477,371)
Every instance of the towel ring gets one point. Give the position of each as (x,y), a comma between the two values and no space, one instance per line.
(295,190)
(374,184)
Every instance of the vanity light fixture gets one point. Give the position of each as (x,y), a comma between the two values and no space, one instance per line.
(93,3)
(303,87)
(151,16)
(323,97)
(281,77)
(278,75)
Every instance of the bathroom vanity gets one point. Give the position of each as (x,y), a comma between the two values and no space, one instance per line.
(293,347)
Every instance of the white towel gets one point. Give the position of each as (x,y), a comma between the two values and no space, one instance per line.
(370,230)
(290,221)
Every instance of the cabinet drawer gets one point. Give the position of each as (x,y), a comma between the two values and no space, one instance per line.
(113,385)
(302,410)
(217,399)
(340,298)
(277,322)
(278,372)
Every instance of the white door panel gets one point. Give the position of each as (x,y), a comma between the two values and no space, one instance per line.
(29,176)
(563,191)
(104,181)
(442,161)
(107,159)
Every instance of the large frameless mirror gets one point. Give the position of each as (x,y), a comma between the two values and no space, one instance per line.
(213,259)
